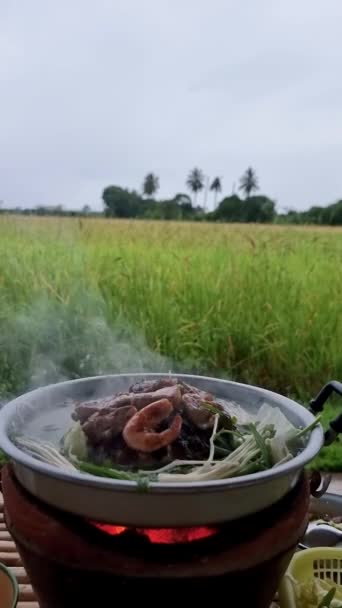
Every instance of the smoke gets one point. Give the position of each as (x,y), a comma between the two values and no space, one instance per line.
(51,340)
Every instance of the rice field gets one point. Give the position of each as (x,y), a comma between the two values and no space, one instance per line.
(258,304)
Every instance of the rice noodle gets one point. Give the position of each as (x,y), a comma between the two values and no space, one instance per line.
(45,452)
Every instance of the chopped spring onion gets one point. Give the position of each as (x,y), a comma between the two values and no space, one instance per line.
(101,471)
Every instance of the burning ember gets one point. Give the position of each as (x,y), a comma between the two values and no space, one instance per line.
(165,536)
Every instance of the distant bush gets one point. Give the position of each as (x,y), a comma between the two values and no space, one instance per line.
(253,209)
(328,216)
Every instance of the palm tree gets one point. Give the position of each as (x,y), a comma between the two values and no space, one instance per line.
(195,182)
(151,184)
(249,182)
(216,187)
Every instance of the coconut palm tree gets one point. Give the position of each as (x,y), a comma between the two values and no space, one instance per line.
(249,182)
(195,182)
(216,187)
(151,184)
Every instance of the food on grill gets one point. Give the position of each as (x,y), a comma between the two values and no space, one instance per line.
(167,430)
(153,424)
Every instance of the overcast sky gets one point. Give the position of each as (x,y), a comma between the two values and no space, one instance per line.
(98,92)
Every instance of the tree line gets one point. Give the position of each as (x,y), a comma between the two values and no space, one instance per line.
(248,207)
(195,182)
(121,202)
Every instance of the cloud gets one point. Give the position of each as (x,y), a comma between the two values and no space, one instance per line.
(99,93)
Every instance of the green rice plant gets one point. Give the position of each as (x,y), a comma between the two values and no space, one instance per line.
(257,304)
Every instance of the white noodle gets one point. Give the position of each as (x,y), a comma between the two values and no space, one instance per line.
(212,439)
(46,452)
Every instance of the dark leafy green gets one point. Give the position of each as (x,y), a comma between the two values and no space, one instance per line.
(328,598)
(256,466)
(225,442)
(226,421)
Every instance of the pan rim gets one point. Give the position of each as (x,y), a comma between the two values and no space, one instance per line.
(312,448)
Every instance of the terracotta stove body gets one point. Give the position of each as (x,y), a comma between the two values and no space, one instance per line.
(73,564)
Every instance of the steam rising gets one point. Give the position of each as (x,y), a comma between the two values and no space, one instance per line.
(51,341)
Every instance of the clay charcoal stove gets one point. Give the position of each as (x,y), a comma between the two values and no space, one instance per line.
(75,562)
(158,487)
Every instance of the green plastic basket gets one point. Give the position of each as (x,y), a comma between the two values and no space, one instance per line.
(322,563)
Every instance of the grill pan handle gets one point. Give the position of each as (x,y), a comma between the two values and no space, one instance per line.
(317,405)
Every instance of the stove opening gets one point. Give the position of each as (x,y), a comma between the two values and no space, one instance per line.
(161,536)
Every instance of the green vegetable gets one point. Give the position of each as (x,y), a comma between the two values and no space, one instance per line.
(316,593)
(226,420)
(226,441)
(293,441)
(74,442)
(248,448)
(233,465)
(328,598)
(256,466)
(309,428)
(262,445)
(219,451)
(103,471)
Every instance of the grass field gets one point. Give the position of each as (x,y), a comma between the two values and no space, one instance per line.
(258,304)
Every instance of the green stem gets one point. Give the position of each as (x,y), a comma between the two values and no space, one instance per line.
(94,469)
(309,428)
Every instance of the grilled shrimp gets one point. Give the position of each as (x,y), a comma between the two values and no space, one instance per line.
(139,432)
